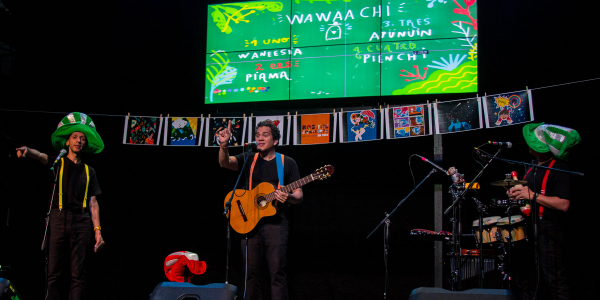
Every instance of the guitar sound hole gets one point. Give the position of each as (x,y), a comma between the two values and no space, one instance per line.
(262,202)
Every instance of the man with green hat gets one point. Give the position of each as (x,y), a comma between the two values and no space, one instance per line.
(74,207)
(550,144)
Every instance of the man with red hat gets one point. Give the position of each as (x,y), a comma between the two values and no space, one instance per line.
(74,204)
(550,144)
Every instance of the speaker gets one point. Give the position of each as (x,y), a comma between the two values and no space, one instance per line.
(8,290)
(188,291)
(429,293)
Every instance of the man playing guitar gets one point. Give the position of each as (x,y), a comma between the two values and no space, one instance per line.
(270,237)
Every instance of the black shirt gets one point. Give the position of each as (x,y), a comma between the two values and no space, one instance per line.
(266,170)
(73,184)
(558,185)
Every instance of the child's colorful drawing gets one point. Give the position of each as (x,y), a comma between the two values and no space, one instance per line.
(182,131)
(407,121)
(142,130)
(455,116)
(508,109)
(362,125)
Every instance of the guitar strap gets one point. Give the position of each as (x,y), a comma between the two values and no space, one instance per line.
(544,182)
(279,160)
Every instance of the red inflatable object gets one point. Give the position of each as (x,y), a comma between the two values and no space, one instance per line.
(181,266)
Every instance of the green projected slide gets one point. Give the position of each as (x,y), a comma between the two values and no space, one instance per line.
(308,49)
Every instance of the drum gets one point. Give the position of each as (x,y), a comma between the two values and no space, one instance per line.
(517,228)
(489,229)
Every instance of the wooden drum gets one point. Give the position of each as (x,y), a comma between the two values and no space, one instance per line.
(517,228)
(489,229)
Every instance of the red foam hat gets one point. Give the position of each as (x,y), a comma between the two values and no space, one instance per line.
(183,265)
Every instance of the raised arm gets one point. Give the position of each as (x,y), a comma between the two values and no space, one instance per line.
(225,160)
(25,151)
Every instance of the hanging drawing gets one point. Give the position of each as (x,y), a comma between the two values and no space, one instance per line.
(360,125)
(142,130)
(408,121)
(182,131)
(508,109)
(457,116)
(314,129)
(281,122)
(214,125)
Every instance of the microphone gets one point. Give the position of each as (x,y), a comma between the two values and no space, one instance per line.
(252,144)
(506,145)
(434,165)
(61,154)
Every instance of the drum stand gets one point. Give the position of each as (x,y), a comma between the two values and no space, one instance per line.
(456,264)
(506,269)
(480,210)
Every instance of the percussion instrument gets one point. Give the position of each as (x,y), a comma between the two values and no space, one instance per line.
(429,232)
(507,202)
(470,262)
(489,229)
(526,210)
(517,228)
(509,182)
(430,235)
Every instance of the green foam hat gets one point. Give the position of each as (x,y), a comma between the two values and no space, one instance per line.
(545,138)
(77,122)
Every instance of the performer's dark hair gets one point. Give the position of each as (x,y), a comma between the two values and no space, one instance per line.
(274,129)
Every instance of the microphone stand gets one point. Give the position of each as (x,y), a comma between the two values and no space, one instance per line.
(44,240)
(386,233)
(51,201)
(226,211)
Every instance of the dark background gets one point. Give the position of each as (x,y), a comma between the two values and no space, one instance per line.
(147,58)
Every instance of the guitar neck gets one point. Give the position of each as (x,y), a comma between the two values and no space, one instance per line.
(297,184)
(292,186)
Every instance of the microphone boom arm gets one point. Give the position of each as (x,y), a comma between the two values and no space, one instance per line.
(387,216)
(528,164)
(471,185)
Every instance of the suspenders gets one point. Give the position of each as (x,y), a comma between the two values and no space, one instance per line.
(60,181)
(544,182)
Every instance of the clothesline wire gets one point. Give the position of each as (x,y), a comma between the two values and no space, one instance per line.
(111,115)
(550,86)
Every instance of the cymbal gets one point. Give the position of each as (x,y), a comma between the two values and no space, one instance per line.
(508,182)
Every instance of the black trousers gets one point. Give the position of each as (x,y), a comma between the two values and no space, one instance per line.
(70,236)
(551,244)
(270,239)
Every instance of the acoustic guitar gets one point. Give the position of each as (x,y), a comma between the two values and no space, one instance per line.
(248,207)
